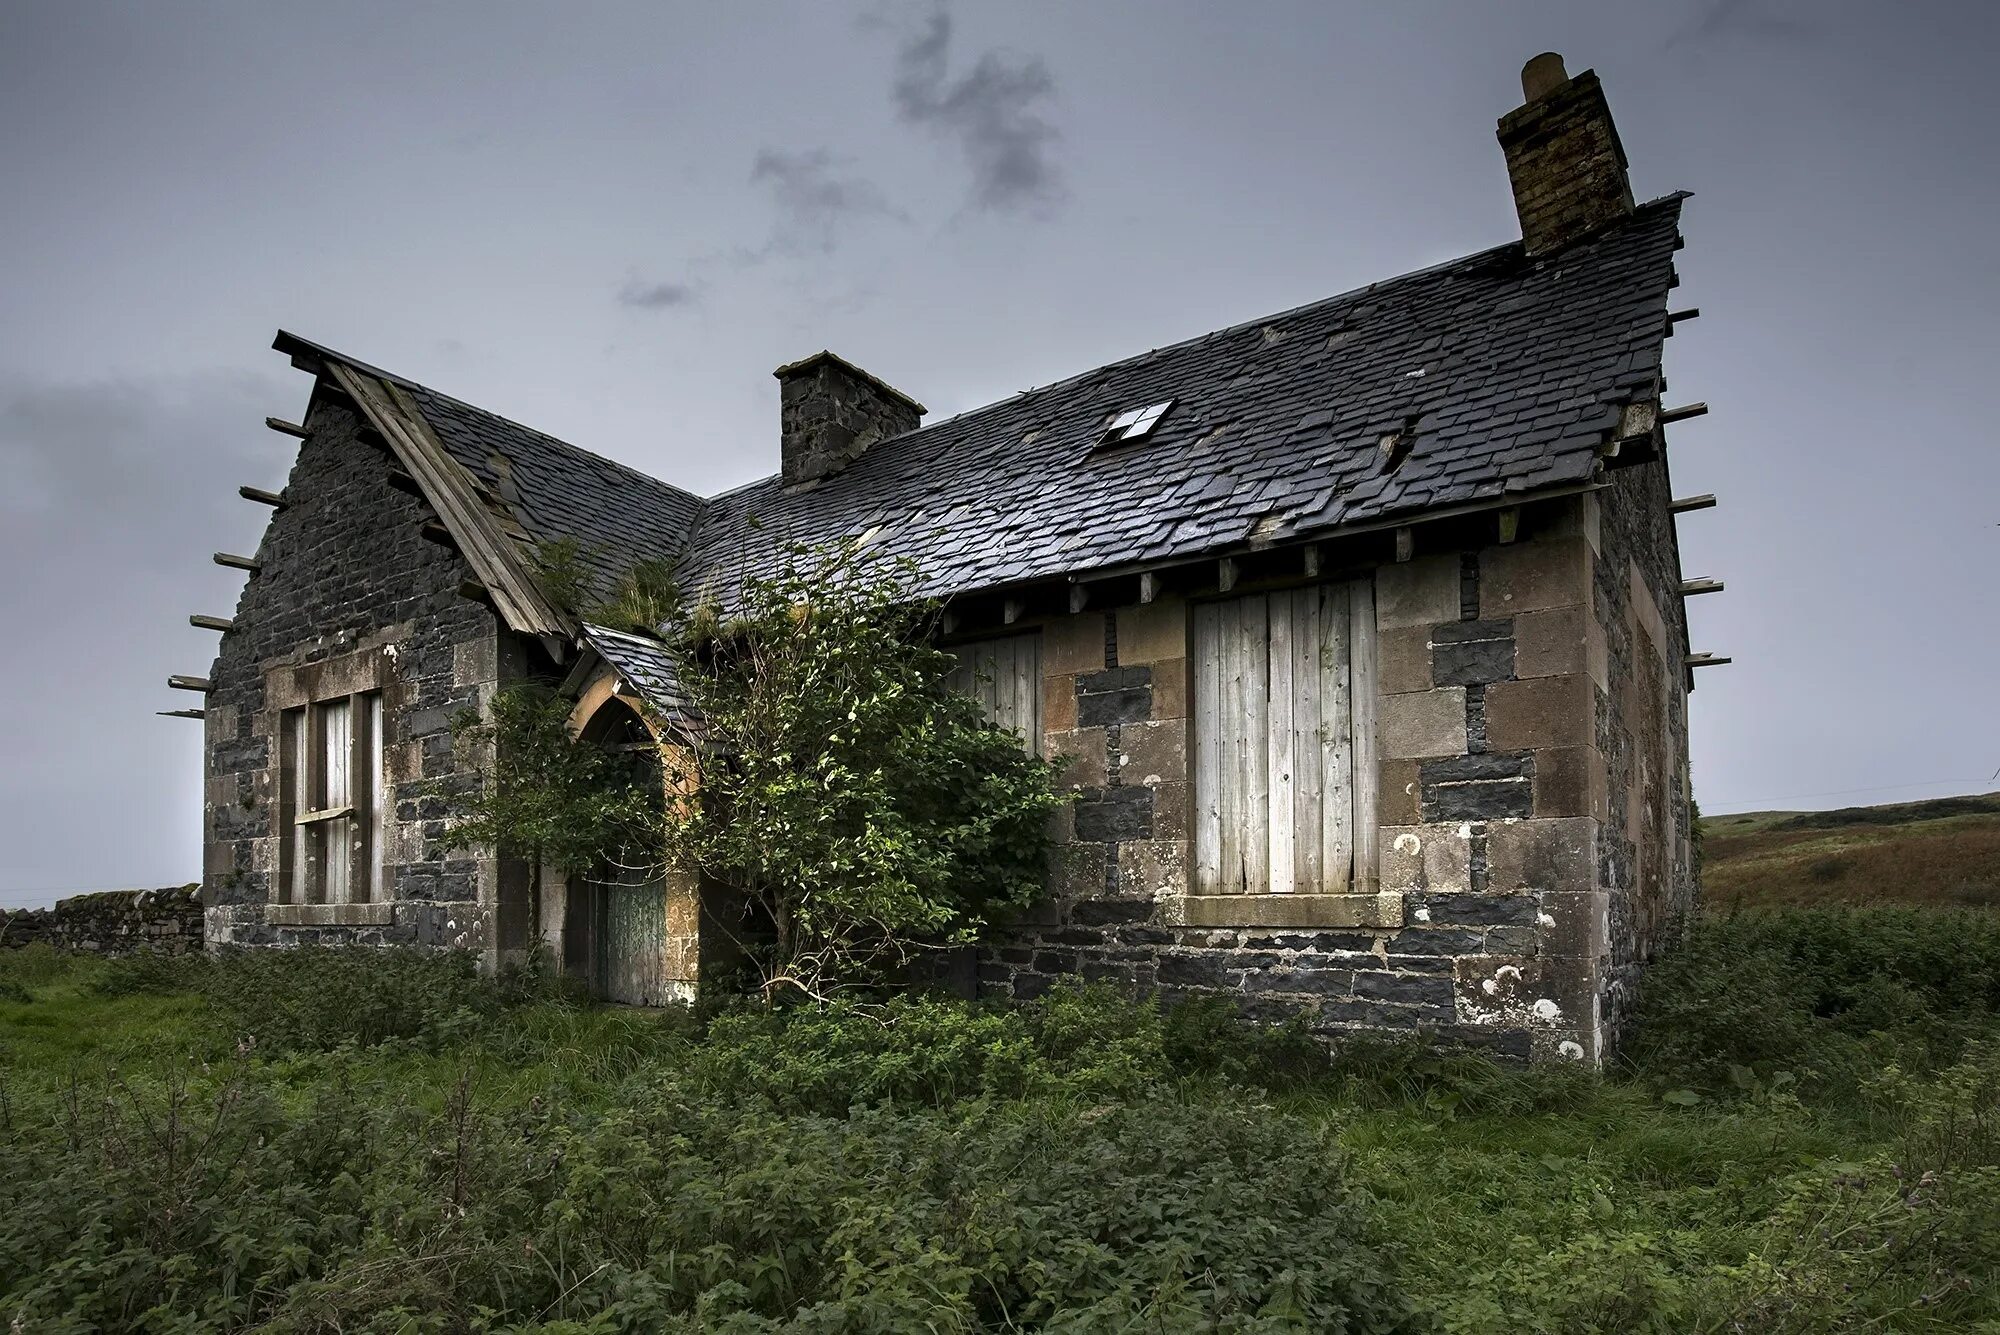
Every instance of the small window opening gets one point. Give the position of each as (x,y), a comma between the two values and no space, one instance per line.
(1136,424)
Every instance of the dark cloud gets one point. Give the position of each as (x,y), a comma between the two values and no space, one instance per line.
(656,296)
(817,196)
(1731,20)
(993,111)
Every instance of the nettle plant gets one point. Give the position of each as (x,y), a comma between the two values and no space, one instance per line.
(825,779)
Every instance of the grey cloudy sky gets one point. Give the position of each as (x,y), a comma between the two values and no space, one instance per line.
(611,221)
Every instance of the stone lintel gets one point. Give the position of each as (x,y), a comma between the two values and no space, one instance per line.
(330,915)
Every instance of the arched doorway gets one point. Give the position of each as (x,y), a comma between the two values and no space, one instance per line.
(629,931)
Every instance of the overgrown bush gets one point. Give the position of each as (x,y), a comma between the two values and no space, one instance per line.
(316,998)
(213,1205)
(1823,995)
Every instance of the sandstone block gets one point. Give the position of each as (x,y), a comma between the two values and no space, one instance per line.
(1556,854)
(1417,593)
(1073,644)
(1529,576)
(1403,659)
(1549,643)
(1153,632)
(1539,713)
(1423,723)
(1153,753)
(1426,858)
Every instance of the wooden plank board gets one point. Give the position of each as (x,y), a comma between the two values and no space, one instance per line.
(1308,755)
(1229,851)
(1279,694)
(1367,774)
(1254,648)
(1336,810)
(1206,745)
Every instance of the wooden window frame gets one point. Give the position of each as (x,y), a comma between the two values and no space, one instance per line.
(305,835)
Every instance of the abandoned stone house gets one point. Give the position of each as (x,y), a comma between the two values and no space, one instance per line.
(1361,629)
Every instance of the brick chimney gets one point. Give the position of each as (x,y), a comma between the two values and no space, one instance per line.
(1563,156)
(830,411)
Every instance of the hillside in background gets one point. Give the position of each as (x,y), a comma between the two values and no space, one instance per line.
(1944,852)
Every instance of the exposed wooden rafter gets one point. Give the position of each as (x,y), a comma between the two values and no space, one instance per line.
(181,713)
(1682,504)
(1690,587)
(1685,411)
(280,425)
(235,562)
(262,497)
(180,683)
(1707,660)
(200,622)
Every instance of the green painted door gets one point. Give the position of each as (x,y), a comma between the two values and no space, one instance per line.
(632,944)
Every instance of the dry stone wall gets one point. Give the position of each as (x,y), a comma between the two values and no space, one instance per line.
(112,922)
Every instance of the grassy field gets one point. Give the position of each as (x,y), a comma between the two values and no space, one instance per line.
(1807,1139)
(1944,852)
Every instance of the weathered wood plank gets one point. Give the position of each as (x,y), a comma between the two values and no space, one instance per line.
(1255,650)
(283,427)
(200,622)
(1367,775)
(262,497)
(1279,696)
(1682,504)
(235,562)
(1230,735)
(1207,746)
(1308,759)
(1336,802)
(180,683)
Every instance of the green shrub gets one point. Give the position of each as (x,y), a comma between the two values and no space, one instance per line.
(315,998)
(1826,995)
(209,1204)
(37,965)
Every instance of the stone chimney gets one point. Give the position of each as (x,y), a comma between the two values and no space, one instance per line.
(1563,156)
(830,411)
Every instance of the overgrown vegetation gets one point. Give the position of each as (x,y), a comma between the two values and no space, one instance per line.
(1807,1140)
(859,811)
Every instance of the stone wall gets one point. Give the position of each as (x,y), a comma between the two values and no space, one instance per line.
(1494,791)
(351,595)
(1641,719)
(112,922)
(1531,806)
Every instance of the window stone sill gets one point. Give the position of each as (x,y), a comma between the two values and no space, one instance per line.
(1365,910)
(330,915)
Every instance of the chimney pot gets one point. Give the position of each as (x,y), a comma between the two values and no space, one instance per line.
(1563,158)
(830,411)
(1542,76)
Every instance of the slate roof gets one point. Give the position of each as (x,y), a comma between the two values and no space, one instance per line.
(618,515)
(1507,373)
(643,663)
(1501,376)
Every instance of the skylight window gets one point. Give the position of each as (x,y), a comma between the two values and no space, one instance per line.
(1136,424)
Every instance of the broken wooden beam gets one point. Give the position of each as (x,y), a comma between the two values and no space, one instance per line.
(200,622)
(181,713)
(235,562)
(1690,587)
(1680,505)
(283,427)
(180,683)
(1685,411)
(1707,660)
(262,497)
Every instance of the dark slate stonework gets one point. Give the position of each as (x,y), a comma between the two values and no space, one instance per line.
(1486,786)
(346,569)
(1642,730)
(1114,696)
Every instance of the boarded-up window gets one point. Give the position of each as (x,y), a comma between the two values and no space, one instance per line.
(1285,742)
(333,805)
(1005,676)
